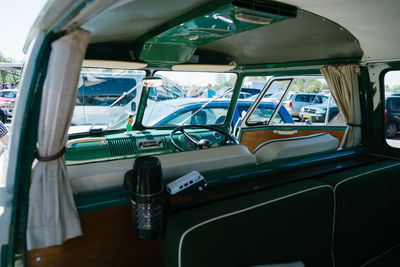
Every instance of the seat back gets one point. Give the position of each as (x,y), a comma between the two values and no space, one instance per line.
(279,225)
(295,146)
(367,216)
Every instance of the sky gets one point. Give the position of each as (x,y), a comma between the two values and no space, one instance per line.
(17,17)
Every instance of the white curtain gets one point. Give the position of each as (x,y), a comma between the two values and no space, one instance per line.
(53,216)
(342,81)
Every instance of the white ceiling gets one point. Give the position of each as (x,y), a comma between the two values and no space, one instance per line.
(375,23)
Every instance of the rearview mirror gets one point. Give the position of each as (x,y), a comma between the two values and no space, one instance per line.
(152,82)
(133,106)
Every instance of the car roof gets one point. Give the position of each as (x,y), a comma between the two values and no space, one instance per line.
(309,31)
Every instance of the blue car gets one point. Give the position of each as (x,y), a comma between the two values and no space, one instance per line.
(214,113)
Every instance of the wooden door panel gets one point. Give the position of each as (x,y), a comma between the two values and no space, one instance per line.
(108,240)
(251,139)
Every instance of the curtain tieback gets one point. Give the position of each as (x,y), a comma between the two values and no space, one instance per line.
(50,158)
(353,125)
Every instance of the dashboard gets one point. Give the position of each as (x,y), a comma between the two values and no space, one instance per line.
(137,143)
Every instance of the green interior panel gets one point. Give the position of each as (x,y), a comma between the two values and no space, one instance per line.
(181,41)
(367,217)
(279,225)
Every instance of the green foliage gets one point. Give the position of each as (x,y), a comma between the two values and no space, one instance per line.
(392,89)
(223,80)
(308,86)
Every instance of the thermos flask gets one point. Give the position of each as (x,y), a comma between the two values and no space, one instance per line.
(145,184)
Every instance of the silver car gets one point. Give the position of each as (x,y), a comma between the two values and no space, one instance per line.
(295,101)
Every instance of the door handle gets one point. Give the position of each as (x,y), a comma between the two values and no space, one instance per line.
(285,132)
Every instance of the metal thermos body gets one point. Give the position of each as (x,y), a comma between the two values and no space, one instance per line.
(147,197)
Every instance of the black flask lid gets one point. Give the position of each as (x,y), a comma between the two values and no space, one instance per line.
(147,176)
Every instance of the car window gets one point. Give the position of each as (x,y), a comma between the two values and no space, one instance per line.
(203,99)
(310,105)
(302,98)
(203,117)
(252,86)
(103,95)
(392,108)
(265,109)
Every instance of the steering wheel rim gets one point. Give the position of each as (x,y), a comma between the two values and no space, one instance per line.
(193,140)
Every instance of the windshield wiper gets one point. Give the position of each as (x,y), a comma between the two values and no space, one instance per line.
(116,101)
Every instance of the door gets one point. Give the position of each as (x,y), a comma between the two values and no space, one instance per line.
(303,106)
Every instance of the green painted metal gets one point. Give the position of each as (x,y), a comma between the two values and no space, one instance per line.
(232,106)
(221,177)
(4,252)
(88,151)
(118,145)
(182,40)
(93,201)
(27,141)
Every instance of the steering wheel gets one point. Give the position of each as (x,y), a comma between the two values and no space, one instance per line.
(203,143)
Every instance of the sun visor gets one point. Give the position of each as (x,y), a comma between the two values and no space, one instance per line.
(112,64)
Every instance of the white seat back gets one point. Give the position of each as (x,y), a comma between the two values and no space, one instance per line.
(295,146)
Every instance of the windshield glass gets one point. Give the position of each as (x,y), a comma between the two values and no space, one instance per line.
(103,95)
(204,99)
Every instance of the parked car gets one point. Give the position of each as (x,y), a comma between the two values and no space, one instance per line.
(98,91)
(210,113)
(199,111)
(317,112)
(295,101)
(392,116)
(7,103)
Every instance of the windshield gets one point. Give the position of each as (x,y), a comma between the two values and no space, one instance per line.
(109,99)
(205,99)
(104,94)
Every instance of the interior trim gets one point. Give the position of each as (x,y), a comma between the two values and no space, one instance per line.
(362,174)
(288,140)
(263,178)
(334,201)
(380,255)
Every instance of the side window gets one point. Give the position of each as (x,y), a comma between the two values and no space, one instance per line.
(252,86)
(302,98)
(392,108)
(306,102)
(311,103)
(265,109)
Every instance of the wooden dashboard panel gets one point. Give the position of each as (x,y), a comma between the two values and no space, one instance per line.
(108,240)
(252,139)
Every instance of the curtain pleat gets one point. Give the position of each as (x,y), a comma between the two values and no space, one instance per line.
(52,214)
(342,81)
